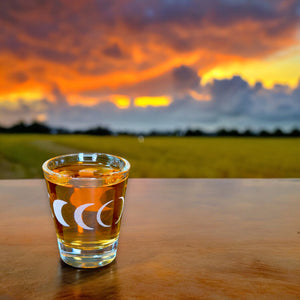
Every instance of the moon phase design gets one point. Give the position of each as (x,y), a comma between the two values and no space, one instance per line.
(122,198)
(57,207)
(99,214)
(78,216)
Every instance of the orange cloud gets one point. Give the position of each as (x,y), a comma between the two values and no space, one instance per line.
(108,50)
(80,100)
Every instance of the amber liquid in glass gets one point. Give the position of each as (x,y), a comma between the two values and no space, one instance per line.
(87,217)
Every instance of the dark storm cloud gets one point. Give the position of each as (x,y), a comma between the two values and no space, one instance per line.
(50,30)
(248,28)
(185,78)
(234,99)
(231,96)
(241,27)
(59,97)
(113,51)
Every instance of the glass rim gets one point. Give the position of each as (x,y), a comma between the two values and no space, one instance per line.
(48,171)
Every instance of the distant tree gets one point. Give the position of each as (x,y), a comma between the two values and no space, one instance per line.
(194,132)
(278,133)
(295,133)
(224,132)
(3,129)
(127,133)
(18,128)
(60,131)
(178,132)
(264,133)
(37,127)
(154,133)
(98,131)
(248,132)
(233,132)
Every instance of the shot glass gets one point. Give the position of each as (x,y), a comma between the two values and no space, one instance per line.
(87,196)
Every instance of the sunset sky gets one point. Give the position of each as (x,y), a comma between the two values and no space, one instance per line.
(143,65)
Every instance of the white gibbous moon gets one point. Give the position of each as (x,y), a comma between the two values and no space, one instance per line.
(122,198)
(57,207)
(78,216)
(99,214)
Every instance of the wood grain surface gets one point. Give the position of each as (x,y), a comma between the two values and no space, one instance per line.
(180,239)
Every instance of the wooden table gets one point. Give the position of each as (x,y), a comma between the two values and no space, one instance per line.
(180,239)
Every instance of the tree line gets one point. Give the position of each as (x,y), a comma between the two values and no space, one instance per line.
(41,128)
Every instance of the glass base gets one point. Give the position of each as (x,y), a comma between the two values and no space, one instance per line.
(94,258)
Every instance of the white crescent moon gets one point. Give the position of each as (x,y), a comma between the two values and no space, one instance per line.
(78,216)
(57,207)
(122,198)
(99,214)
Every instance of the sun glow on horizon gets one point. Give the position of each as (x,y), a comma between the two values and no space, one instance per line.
(152,101)
(279,68)
(26,96)
(121,101)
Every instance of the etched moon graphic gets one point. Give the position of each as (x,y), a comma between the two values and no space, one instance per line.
(78,216)
(122,198)
(99,214)
(57,207)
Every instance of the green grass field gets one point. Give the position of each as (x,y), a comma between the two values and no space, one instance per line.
(21,156)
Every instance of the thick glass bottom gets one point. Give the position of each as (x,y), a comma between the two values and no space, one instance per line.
(93,258)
